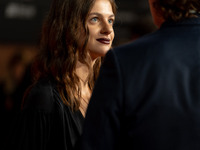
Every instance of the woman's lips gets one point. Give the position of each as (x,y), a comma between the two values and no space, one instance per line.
(104,40)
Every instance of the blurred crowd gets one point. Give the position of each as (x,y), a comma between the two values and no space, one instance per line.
(15,77)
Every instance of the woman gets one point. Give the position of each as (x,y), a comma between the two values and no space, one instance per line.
(76,34)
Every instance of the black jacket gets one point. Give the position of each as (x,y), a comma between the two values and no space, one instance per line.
(148,93)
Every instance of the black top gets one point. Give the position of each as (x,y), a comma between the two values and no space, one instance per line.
(45,121)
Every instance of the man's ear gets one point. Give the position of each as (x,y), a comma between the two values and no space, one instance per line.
(157,16)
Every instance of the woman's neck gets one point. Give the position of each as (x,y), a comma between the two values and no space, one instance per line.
(82,72)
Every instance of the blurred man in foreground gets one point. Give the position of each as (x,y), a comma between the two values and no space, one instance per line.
(148,92)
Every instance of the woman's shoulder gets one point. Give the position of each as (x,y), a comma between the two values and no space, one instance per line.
(40,95)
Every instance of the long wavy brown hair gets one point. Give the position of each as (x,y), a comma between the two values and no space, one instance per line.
(177,9)
(60,48)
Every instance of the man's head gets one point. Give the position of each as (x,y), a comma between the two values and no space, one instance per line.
(174,10)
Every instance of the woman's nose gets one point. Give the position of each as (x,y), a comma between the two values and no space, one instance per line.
(106,28)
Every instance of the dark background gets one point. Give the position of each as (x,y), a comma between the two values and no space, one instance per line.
(133,20)
(20,20)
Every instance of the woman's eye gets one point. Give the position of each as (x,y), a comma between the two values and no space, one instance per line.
(111,21)
(95,19)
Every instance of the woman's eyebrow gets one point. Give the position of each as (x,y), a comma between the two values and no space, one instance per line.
(95,13)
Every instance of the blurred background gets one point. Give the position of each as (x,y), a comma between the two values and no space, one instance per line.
(20,26)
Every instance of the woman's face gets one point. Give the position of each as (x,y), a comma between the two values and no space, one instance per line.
(100,25)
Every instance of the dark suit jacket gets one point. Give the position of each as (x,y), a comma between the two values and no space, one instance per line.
(147,96)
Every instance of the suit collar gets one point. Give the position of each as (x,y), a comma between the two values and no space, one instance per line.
(187,21)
